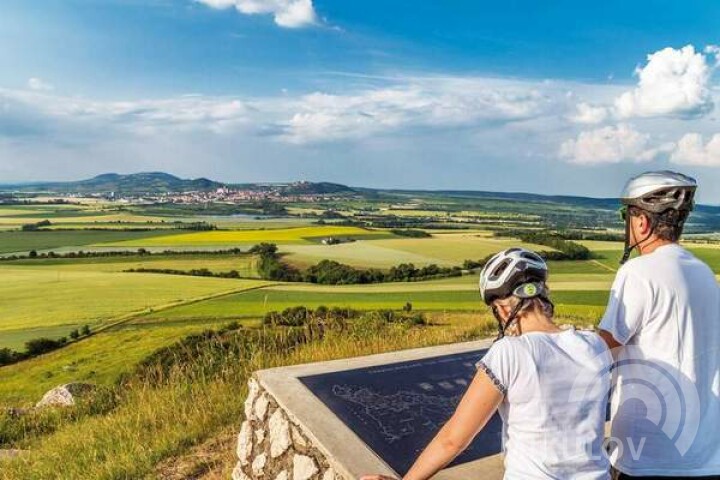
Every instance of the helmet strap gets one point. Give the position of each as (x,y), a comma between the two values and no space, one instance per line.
(629,248)
(511,320)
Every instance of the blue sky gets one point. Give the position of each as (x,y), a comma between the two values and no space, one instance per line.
(560,97)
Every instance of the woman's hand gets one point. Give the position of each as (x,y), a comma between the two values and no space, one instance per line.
(377,477)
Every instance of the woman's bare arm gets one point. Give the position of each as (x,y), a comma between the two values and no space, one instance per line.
(474,411)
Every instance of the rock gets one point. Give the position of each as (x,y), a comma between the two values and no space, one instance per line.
(298,438)
(244,446)
(329,474)
(282,475)
(261,407)
(258,465)
(65,395)
(259,436)
(303,467)
(253,390)
(279,434)
(238,473)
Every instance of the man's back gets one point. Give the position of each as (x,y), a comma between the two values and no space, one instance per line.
(665,308)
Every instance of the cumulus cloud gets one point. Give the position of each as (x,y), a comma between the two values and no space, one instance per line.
(691,150)
(141,116)
(589,114)
(286,13)
(611,144)
(673,83)
(418,103)
(39,85)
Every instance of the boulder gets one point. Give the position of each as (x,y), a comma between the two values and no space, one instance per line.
(66,395)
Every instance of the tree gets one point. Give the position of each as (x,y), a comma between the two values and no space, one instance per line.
(85,330)
(75,334)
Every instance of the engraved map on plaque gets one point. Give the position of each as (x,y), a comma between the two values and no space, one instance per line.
(397,408)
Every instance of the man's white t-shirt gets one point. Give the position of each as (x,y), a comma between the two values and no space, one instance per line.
(664,308)
(555,390)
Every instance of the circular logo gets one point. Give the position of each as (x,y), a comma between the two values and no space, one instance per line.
(530,289)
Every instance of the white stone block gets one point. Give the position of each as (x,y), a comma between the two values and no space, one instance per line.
(259,436)
(253,390)
(279,434)
(244,446)
(258,465)
(261,406)
(238,473)
(329,474)
(304,467)
(298,438)
(282,475)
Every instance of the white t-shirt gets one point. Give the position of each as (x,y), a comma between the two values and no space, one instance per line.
(554,406)
(664,308)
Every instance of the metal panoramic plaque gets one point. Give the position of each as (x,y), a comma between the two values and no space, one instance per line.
(397,408)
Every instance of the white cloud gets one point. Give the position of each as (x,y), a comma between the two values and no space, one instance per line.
(691,150)
(414,103)
(611,144)
(674,83)
(141,116)
(287,13)
(589,114)
(39,85)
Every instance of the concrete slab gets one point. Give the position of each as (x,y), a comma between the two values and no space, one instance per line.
(348,454)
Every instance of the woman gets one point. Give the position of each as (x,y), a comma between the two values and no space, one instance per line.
(549,385)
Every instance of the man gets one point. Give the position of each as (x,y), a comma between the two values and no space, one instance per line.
(663,325)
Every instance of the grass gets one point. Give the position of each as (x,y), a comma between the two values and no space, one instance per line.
(258,302)
(34,298)
(15,241)
(244,264)
(249,237)
(446,249)
(193,404)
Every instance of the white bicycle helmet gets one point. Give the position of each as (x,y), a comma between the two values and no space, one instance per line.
(658,192)
(515,271)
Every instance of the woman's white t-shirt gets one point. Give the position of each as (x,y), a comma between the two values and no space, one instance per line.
(555,388)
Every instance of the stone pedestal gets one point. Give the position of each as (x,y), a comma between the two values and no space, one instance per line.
(291,434)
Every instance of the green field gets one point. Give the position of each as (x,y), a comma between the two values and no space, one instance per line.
(245,265)
(16,241)
(43,300)
(257,302)
(445,249)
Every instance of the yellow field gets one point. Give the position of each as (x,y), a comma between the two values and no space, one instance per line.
(248,237)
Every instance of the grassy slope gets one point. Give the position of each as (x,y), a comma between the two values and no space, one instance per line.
(35,298)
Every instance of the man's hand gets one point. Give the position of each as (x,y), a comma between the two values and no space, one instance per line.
(377,477)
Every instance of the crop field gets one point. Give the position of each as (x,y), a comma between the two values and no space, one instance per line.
(17,241)
(43,300)
(445,249)
(257,302)
(227,238)
(245,265)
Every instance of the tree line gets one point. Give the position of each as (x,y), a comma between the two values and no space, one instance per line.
(39,346)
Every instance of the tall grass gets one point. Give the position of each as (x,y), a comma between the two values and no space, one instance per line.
(189,393)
